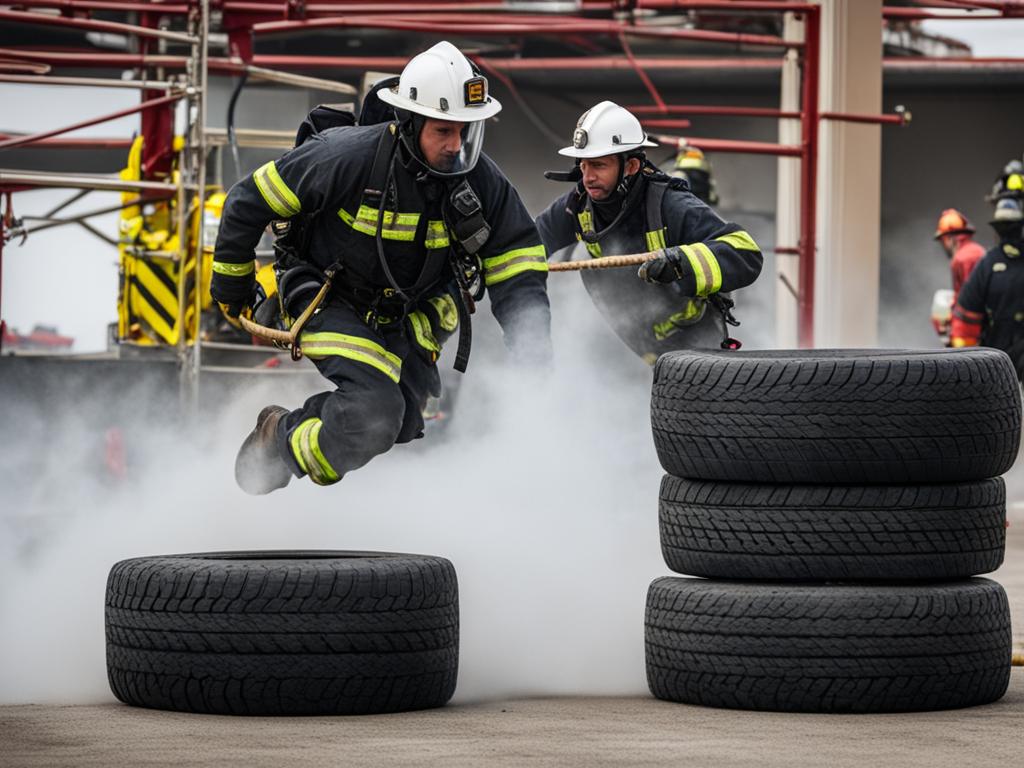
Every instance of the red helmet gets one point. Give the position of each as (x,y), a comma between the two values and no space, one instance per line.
(952,222)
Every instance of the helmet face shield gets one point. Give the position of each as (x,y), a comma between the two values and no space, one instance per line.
(448,150)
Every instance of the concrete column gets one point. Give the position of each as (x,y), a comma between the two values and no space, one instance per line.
(787,211)
(849,176)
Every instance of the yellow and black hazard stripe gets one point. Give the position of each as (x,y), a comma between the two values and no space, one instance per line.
(153,297)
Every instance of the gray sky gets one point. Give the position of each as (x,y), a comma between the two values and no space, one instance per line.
(67,278)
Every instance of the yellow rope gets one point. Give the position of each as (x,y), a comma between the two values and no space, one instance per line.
(605,262)
(289,337)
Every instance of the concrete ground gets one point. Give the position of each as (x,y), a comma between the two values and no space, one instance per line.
(551,731)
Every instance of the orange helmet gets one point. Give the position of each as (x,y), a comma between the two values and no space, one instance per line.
(952,222)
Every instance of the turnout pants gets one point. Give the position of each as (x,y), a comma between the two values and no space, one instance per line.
(381,386)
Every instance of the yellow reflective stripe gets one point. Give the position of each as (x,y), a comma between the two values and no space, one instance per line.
(664,329)
(511,263)
(320,345)
(699,274)
(401,226)
(740,240)
(424,334)
(437,235)
(1015,181)
(275,192)
(447,312)
(305,445)
(655,239)
(234,270)
(712,263)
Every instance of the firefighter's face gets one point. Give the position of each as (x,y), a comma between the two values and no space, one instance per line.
(948,244)
(601,174)
(441,143)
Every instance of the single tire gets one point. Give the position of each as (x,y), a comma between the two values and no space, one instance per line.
(883,532)
(828,648)
(836,416)
(283,632)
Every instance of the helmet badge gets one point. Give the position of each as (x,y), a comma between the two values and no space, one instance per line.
(475,90)
(579,138)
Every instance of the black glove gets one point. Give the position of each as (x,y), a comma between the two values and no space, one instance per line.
(667,267)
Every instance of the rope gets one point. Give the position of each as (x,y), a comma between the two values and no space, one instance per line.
(289,338)
(605,262)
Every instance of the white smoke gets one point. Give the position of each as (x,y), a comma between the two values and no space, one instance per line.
(543,493)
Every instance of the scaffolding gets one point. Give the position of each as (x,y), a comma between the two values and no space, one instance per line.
(183,78)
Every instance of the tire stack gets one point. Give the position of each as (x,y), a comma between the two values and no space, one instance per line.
(837,504)
(283,632)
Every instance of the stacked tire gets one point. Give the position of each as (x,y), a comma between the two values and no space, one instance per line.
(283,632)
(837,504)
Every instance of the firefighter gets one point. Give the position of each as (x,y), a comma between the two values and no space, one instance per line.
(623,204)
(954,233)
(693,165)
(990,307)
(404,214)
(1010,183)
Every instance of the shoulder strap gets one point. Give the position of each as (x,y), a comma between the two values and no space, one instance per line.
(652,205)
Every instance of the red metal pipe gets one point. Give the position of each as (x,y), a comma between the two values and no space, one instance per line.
(897,119)
(732,145)
(809,122)
(99,26)
(33,138)
(894,119)
(704,109)
(666,123)
(71,6)
(913,14)
(723,5)
(447,23)
(515,65)
(102,143)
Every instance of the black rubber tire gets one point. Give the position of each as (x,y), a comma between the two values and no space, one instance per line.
(828,648)
(836,416)
(283,632)
(881,532)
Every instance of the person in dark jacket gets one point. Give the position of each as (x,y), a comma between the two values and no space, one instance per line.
(990,306)
(622,204)
(403,215)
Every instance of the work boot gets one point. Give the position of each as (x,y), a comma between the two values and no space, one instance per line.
(259,468)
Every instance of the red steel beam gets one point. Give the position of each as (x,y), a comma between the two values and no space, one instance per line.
(447,23)
(129,6)
(33,138)
(898,118)
(705,109)
(732,145)
(809,123)
(100,143)
(99,26)
(724,5)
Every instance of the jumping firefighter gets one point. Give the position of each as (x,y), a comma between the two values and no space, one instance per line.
(409,229)
(990,308)
(623,204)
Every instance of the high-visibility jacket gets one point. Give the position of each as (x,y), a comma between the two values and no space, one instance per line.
(326,176)
(990,308)
(652,319)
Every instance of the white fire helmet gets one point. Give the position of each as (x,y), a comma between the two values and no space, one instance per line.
(606,129)
(442,84)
